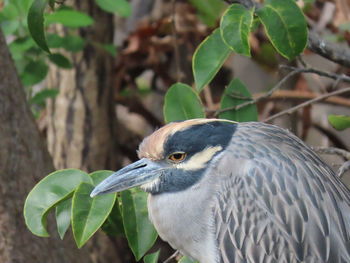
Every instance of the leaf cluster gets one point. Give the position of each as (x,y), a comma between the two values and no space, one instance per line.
(286,28)
(67,192)
(25,23)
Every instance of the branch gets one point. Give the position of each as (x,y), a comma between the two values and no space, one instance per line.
(301,96)
(343,169)
(332,150)
(333,52)
(262,97)
(307,103)
(330,134)
(336,77)
(337,151)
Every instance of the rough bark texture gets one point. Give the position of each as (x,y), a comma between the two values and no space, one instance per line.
(24,160)
(82,118)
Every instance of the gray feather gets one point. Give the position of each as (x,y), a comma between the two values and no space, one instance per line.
(282,203)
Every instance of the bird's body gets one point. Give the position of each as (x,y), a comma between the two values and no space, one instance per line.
(247,192)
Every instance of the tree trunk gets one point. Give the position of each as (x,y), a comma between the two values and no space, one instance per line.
(81,123)
(82,119)
(24,160)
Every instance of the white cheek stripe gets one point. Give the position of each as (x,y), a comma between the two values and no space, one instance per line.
(199,160)
(150,185)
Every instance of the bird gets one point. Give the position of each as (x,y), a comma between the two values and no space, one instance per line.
(228,192)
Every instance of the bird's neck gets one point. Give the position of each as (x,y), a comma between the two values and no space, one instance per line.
(184,219)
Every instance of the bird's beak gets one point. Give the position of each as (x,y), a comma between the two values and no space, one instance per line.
(135,174)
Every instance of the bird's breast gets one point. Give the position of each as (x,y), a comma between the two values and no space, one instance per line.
(184,222)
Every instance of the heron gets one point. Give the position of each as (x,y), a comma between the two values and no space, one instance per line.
(227,192)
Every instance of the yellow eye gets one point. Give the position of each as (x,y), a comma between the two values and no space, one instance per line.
(177,157)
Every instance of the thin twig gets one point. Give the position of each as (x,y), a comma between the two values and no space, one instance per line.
(172,257)
(208,97)
(301,96)
(336,83)
(343,169)
(332,150)
(175,44)
(297,96)
(307,103)
(264,96)
(340,77)
(294,71)
(302,62)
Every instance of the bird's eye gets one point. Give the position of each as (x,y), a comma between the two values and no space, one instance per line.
(177,157)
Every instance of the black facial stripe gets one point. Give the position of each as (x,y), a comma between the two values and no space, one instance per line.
(199,137)
(191,141)
(175,180)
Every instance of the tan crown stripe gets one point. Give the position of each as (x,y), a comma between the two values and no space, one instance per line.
(152,146)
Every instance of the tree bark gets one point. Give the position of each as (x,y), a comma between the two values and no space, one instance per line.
(81,123)
(82,119)
(24,160)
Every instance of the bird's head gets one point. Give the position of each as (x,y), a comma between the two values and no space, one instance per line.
(173,158)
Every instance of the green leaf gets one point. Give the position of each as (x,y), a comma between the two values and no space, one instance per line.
(187,260)
(122,7)
(182,103)
(235,27)
(51,190)
(151,258)
(70,43)
(98,176)
(110,48)
(60,61)
(339,122)
(209,11)
(235,94)
(208,59)
(36,23)
(73,43)
(88,214)
(54,41)
(69,18)
(139,231)
(9,27)
(63,215)
(267,55)
(40,97)
(113,226)
(9,12)
(34,72)
(22,5)
(52,4)
(20,46)
(285,26)
(255,25)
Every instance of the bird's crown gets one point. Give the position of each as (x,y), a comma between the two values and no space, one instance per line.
(193,133)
